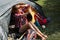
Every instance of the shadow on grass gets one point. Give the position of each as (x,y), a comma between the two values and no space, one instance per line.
(52,9)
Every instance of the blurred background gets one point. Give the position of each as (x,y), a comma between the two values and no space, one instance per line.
(51,9)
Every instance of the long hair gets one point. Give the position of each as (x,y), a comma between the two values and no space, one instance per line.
(14,8)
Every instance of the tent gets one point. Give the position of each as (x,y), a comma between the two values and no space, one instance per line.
(5,12)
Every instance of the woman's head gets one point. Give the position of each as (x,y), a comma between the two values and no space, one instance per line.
(19,7)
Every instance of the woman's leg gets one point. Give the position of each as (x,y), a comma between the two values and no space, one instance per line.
(26,27)
(38,30)
(40,34)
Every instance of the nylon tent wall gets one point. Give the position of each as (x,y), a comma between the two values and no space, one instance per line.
(5,12)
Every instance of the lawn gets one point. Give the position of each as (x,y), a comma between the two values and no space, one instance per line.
(51,9)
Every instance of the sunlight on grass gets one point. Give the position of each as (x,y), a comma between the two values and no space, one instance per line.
(41,2)
(55,36)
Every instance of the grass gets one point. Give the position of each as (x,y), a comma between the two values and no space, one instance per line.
(51,8)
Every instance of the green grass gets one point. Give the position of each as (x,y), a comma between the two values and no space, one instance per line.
(51,8)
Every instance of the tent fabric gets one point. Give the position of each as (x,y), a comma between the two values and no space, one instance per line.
(5,12)
(5,7)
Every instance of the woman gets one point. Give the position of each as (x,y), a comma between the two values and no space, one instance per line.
(21,11)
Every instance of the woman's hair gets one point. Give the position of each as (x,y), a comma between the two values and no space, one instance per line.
(13,11)
(14,8)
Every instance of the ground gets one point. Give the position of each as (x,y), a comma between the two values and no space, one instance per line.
(51,9)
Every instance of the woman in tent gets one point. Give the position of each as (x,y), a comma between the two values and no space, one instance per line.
(5,13)
(24,19)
